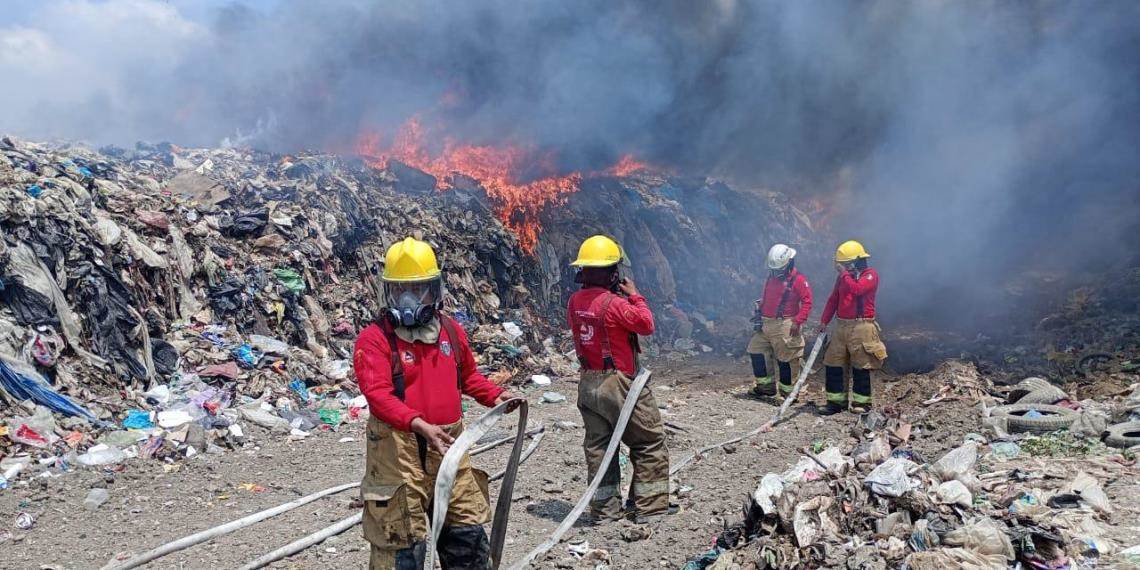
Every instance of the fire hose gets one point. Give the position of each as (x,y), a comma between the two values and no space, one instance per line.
(449,468)
(819,341)
(296,546)
(611,450)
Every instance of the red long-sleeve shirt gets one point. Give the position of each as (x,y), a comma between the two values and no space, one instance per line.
(624,316)
(798,303)
(849,292)
(431,389)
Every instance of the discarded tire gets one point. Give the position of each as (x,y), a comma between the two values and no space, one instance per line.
(1052,418)
(1123,435)
(1046,395)
(1026,386)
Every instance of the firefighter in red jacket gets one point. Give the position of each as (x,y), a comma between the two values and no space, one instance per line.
(855,342)
(412,366)
(777,346)
(605,317)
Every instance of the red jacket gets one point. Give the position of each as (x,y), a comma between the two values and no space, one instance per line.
(797,305)
(849,293)
(622,317)
(431,389)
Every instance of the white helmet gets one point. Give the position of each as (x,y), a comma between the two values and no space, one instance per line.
(779,256)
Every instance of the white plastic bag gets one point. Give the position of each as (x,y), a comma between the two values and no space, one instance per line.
(954,493)
(957,462)
(1090,492)
(890,478)
(771,487)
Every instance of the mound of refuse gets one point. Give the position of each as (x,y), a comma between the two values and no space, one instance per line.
(1031,492)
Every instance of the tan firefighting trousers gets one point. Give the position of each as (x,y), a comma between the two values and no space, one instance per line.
(854,344)
(397,492)
(601,394)
(775,341)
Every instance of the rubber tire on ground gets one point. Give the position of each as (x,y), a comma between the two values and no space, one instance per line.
(1123,435)
(1026,386)
(1043,396)
(1053,418)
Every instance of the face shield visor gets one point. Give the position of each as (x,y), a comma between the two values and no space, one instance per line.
(413,304)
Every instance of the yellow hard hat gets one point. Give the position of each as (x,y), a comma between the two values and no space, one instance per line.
(598,251)
(409,261)
(850,250)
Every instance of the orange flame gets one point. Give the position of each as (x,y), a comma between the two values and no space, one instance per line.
(626,166)
(498,169)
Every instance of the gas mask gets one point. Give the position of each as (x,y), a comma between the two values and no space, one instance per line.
(413,305)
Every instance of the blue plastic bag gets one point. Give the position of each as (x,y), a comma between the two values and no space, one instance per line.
(247,356)
(24,383)
(35,190)
(138,419)
(298,386)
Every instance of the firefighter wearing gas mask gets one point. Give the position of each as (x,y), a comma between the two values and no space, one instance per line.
(855,343)
(777,345)
(413,365)
(605,317)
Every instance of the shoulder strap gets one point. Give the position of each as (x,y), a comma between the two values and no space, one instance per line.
(607,354)
(784,296)
(858,299)
(453,336)
(398,386)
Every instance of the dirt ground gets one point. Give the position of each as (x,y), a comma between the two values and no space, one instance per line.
(151,503)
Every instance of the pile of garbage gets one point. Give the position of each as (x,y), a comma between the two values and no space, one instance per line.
(1030,490)
(161,301)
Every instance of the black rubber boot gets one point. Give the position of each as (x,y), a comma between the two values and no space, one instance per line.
(411,558)
(833,386)
(760,371)
(860,390)
(464,548)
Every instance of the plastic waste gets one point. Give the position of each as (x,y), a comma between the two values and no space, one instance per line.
(95,499)
(121,438)
(810,521)
(247,356)
(983,536)
(1090,491)
(513,330)
(552,397)
(890,478)
(265,419)
(540,380)
(138,419)
(1032,414)
(37,430)
(1005,450)
(160,395)
(173,418)
(330,417)
(954,493)
(771,486)
(957,462)
(298,387)
(35,190)
(269,345)
(24,383)
(336,369)
(102,455)
(290,279)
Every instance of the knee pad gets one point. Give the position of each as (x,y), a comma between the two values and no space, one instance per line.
(464,548)
(759,367)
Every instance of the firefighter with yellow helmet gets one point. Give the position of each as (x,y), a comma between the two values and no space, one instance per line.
(855,343)
(413,365)
(605,317)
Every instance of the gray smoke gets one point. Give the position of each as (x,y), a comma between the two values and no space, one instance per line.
(964,140)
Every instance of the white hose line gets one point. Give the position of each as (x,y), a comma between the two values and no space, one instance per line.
(449,469)
(220,530)
(299,545)
(347,523)
(772,422)
(611,450)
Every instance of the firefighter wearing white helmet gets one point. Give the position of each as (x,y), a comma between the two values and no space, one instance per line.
(777,345)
